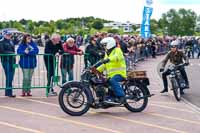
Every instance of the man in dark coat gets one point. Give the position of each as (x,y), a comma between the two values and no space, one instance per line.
(53,47)
(8,61)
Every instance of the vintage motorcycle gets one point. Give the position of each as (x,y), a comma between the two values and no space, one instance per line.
(176,79)
(77,97)
(188,51)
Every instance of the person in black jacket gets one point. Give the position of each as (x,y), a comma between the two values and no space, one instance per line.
(153,49)
(121,43)
(53,47)
(198,46)
(7,47)
(94,51)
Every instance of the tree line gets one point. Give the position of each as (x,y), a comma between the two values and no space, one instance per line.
(174,22)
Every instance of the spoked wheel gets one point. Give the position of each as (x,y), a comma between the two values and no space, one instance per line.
(176,89)
(138,100)
(74,100)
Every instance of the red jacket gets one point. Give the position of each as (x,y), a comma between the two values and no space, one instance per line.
(71,50)
(67,61)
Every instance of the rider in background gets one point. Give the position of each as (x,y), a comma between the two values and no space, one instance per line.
(115,66)
(176,57)
(188,48)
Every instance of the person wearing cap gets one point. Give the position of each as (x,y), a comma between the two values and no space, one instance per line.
(8,61)
(176,57)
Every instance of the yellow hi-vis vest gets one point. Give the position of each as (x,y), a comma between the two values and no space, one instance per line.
(117,64)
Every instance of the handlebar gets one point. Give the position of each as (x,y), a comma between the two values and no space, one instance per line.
(180,65)
(171,67)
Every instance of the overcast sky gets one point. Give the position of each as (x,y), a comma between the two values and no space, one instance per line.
(117,10)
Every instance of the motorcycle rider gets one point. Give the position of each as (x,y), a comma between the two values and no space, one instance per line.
(188,48)
(115,66)
(176,57)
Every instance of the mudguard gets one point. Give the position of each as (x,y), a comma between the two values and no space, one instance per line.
(142,82)
(85,88)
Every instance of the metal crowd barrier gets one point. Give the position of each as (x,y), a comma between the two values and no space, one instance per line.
(159,51)
(39,78)
(78,64)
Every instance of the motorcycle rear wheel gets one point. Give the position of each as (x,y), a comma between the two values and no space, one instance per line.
(140,94)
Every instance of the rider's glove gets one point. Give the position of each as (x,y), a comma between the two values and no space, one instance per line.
(101,54)
(60,52)
(105,61)
(187,64)
(162,69)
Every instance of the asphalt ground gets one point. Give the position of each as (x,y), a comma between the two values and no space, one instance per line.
(193,95)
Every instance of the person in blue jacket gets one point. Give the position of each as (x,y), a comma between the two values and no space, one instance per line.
(28,62)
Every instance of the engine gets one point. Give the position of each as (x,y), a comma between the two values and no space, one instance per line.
(100,92)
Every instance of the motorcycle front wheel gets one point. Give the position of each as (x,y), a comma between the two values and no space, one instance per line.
(74,100)
(176,89)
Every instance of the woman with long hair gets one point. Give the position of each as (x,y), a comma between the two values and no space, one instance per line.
(28,62)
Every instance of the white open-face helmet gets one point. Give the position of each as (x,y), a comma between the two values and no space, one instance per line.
(108,42)
(174,43)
